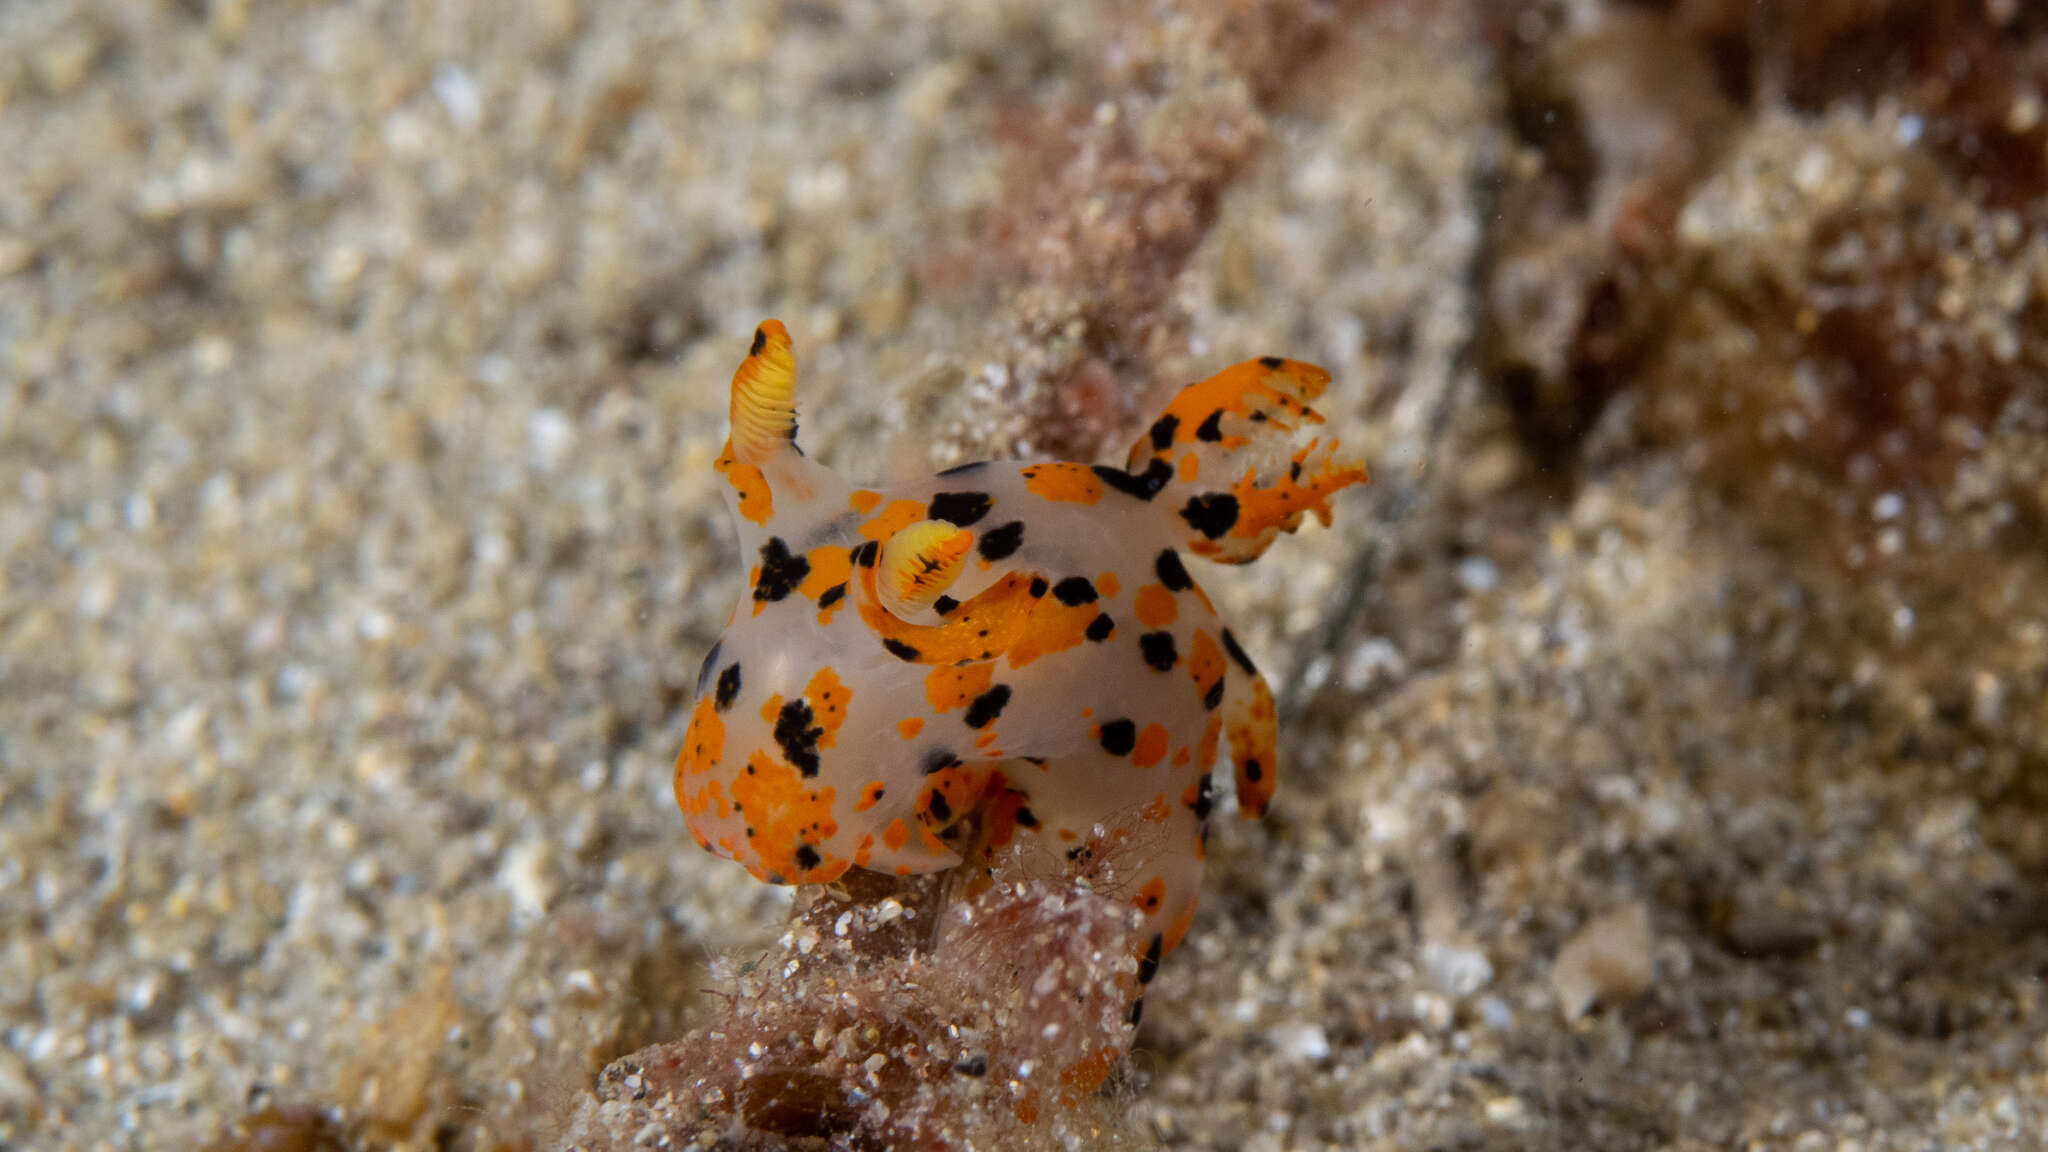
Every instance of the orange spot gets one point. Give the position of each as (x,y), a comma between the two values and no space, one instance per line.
(1151,896)
(900,514)
(1063,483)
(1053,627)
(948,686)
(1155,606)
(1157,811)
(896,835)
(1087,712)
(1151,747)
(828,698)
(863,501)
(701,801)
(772,709)
(869,797)
(1107,585)
(785,817)
(1190,468)
(757,503)
(910,726)
(1180,756)
(830,565)
(704,743)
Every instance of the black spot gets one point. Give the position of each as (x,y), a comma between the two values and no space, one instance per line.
(1214,695)
(1074,591)
(1076,852)
(1172,573)
(964,469)
(1294,471)
(1148,964)
(1039,587)
(807,857)
(1027,818)
(944,606)
(704,669)
(1118,737)
(1237,654)
(975,1065)
(798,736)
(987,706)
(866,553)
(1144,485)
(1035,761)
(760,342)
(900,650)
(1211,513)
(996,543)
(1100,627)
(961,509)
(938,760)
(1137,1011)
(1258,417)
(937,806)
(1253,770)
(832,595)
(1162,432)
(1273,362)
(1159,650)
(1205,798)
(1212,429)
(728,686)
(780,571)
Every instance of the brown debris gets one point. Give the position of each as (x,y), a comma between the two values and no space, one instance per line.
(1109,197)
(891,1015)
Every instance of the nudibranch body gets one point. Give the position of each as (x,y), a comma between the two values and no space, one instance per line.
(920,674)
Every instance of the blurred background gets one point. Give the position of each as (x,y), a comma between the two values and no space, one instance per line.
(1665,738)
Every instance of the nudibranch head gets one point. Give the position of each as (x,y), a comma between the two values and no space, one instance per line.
(924,673)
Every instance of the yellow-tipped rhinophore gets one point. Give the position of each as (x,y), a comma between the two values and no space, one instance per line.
(919,563)
(764,397)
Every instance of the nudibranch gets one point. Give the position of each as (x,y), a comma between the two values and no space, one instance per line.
(921,674)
